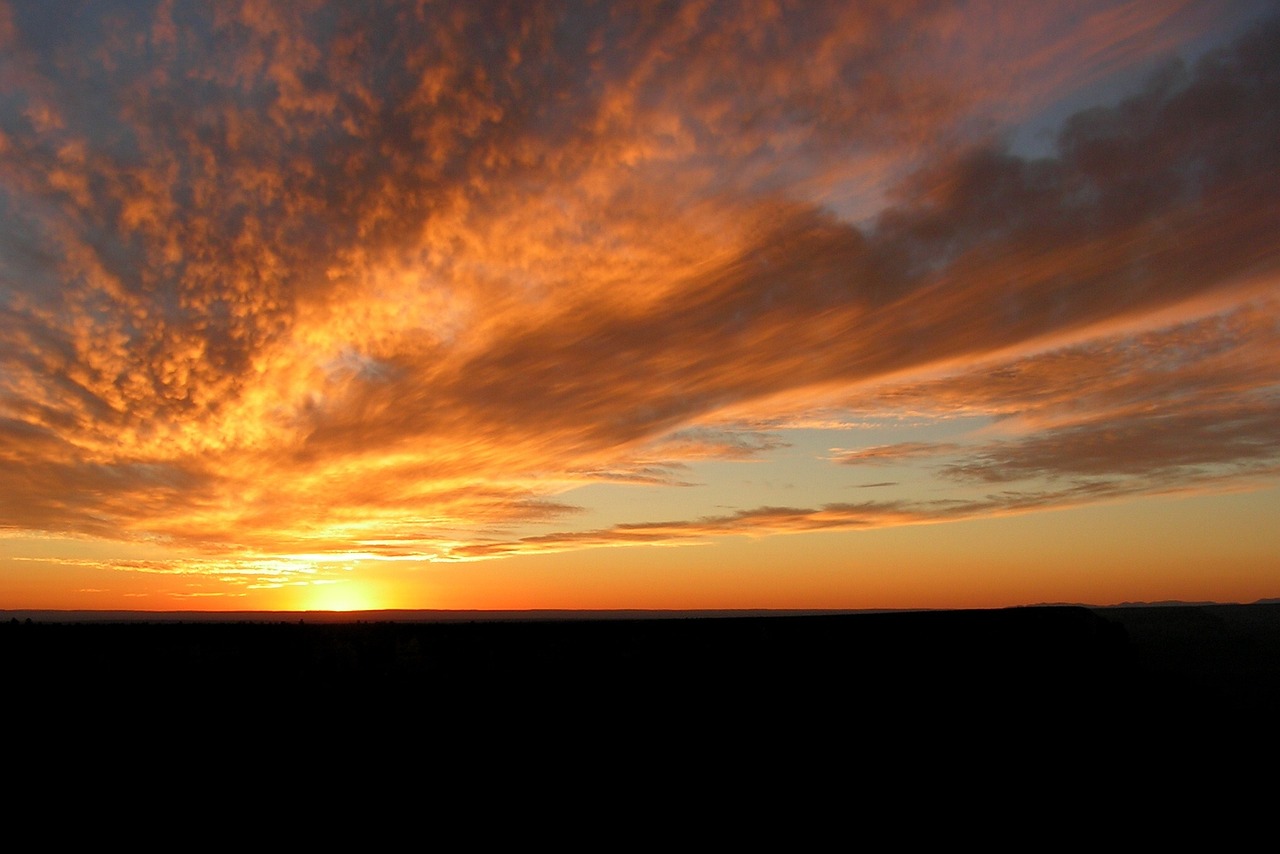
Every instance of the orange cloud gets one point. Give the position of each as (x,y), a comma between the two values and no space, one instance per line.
(276,276)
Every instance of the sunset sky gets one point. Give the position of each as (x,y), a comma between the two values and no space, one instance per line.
(508,305)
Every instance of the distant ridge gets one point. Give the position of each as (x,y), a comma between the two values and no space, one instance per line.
(1163,603)
(1170,603)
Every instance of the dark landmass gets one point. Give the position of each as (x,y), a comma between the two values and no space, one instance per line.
(1234,649)
(765,681)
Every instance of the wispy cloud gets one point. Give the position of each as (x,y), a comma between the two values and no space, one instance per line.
(881,454)
(769,521)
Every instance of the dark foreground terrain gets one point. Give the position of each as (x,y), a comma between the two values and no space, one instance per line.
(1211,656)
(1029,679)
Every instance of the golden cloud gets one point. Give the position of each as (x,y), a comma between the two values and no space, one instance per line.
(286,274)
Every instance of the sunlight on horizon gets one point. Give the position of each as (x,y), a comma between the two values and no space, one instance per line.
(343,595)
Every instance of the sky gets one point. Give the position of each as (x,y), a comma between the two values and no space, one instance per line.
(660,305)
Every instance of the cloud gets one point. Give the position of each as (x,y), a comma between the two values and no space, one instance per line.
(273,274)
(713,443)
(771,521)
(1197,394)
(1163,445)
(883,454)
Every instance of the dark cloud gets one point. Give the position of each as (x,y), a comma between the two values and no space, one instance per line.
(1195,397)
(1165,446)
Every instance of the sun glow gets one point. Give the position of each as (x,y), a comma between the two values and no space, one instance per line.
(339,596)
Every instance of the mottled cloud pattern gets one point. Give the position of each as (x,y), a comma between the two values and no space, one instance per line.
(396,279)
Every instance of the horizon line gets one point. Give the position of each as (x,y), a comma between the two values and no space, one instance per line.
(9,615)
